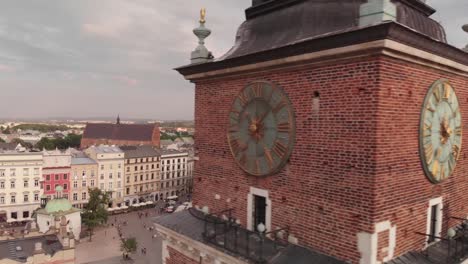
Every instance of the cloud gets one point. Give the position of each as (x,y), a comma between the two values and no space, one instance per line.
(6,68)
(78,51)
(126,80)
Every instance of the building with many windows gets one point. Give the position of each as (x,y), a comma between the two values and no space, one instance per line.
(110,161)
(56,172)
(142,174)
(20,190)
(83,176)
(174,173)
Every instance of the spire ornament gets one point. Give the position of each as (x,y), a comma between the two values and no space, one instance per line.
(201,53)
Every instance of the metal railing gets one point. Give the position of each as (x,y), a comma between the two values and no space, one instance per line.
(221,230)
(446,250)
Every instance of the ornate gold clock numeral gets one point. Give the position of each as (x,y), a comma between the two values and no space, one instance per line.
(458,131)
(455,151)
(435,168)
(437,94)
(429,152)
(442,171)
(279,148)
(279,106)
(283,128)
(447,91)
(268,156)
(244,99)
(430,109)
(257,90)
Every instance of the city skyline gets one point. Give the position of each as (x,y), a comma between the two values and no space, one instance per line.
(88,60)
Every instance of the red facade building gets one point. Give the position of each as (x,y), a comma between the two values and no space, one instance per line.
(328,134)
(56,172)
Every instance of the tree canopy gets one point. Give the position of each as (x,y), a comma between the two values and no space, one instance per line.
(41,127)
(23,143)
(95,213)
(70,141)
(128,245)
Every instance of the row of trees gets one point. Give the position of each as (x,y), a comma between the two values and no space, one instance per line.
(165,136)
(38,127)
(69,141)
(95,214)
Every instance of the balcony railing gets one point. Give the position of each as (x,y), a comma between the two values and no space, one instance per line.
(452,250)
(221,230)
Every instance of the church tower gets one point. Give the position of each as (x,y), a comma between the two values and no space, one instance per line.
(331,132)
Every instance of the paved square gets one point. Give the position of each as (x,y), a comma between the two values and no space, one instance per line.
(105,247)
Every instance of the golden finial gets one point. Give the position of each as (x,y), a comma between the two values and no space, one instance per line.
(202,15)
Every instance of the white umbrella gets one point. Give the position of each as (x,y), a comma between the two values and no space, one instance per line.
(110,209)
(124,207)
(136,205)
(142,204)
(149,202)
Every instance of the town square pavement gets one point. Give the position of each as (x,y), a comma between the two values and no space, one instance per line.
(105,245)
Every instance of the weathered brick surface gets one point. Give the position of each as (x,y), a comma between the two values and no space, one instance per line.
(402,190)
(175,257)
(355,162)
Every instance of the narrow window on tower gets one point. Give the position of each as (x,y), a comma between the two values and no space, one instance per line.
(316,103)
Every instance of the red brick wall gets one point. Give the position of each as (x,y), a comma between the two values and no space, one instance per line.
(175,257)
(324,194)
(355,163)
(403,191)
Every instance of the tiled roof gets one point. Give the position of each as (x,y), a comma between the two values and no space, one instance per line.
(140,151)
(134,132)
(82,161)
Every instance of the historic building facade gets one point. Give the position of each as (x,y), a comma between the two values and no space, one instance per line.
(175,177)
(84,171)
(56,172)
(142,174)
(120,134)
(110,172)
(335,127)
(20,189)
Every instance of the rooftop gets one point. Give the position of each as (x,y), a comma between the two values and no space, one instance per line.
(82,161)
(50,244)
(168,152)
(135,132)
(106,149)
(187,224)
(140,151)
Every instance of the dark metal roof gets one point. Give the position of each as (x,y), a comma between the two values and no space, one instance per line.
(388,30)
(134,132)
(7,146)
(140,151)
(279,23)
(281,26)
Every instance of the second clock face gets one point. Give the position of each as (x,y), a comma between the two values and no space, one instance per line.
(261,128)
(441,131)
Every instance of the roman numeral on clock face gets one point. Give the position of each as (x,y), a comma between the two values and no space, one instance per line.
(447,91)
(257,90)
(279,148)
(283,128)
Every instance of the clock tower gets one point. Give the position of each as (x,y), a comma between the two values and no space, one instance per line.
(331,132)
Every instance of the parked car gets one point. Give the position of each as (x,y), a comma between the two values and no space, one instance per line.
(170,209)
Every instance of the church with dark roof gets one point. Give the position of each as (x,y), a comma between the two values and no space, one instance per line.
(120,134)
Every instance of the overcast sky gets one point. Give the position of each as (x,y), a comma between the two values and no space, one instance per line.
(94,58)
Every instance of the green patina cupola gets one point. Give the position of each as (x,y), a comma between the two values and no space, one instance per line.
(57,205)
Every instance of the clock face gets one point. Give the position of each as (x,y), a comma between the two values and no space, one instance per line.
(440,131)
(261,128)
